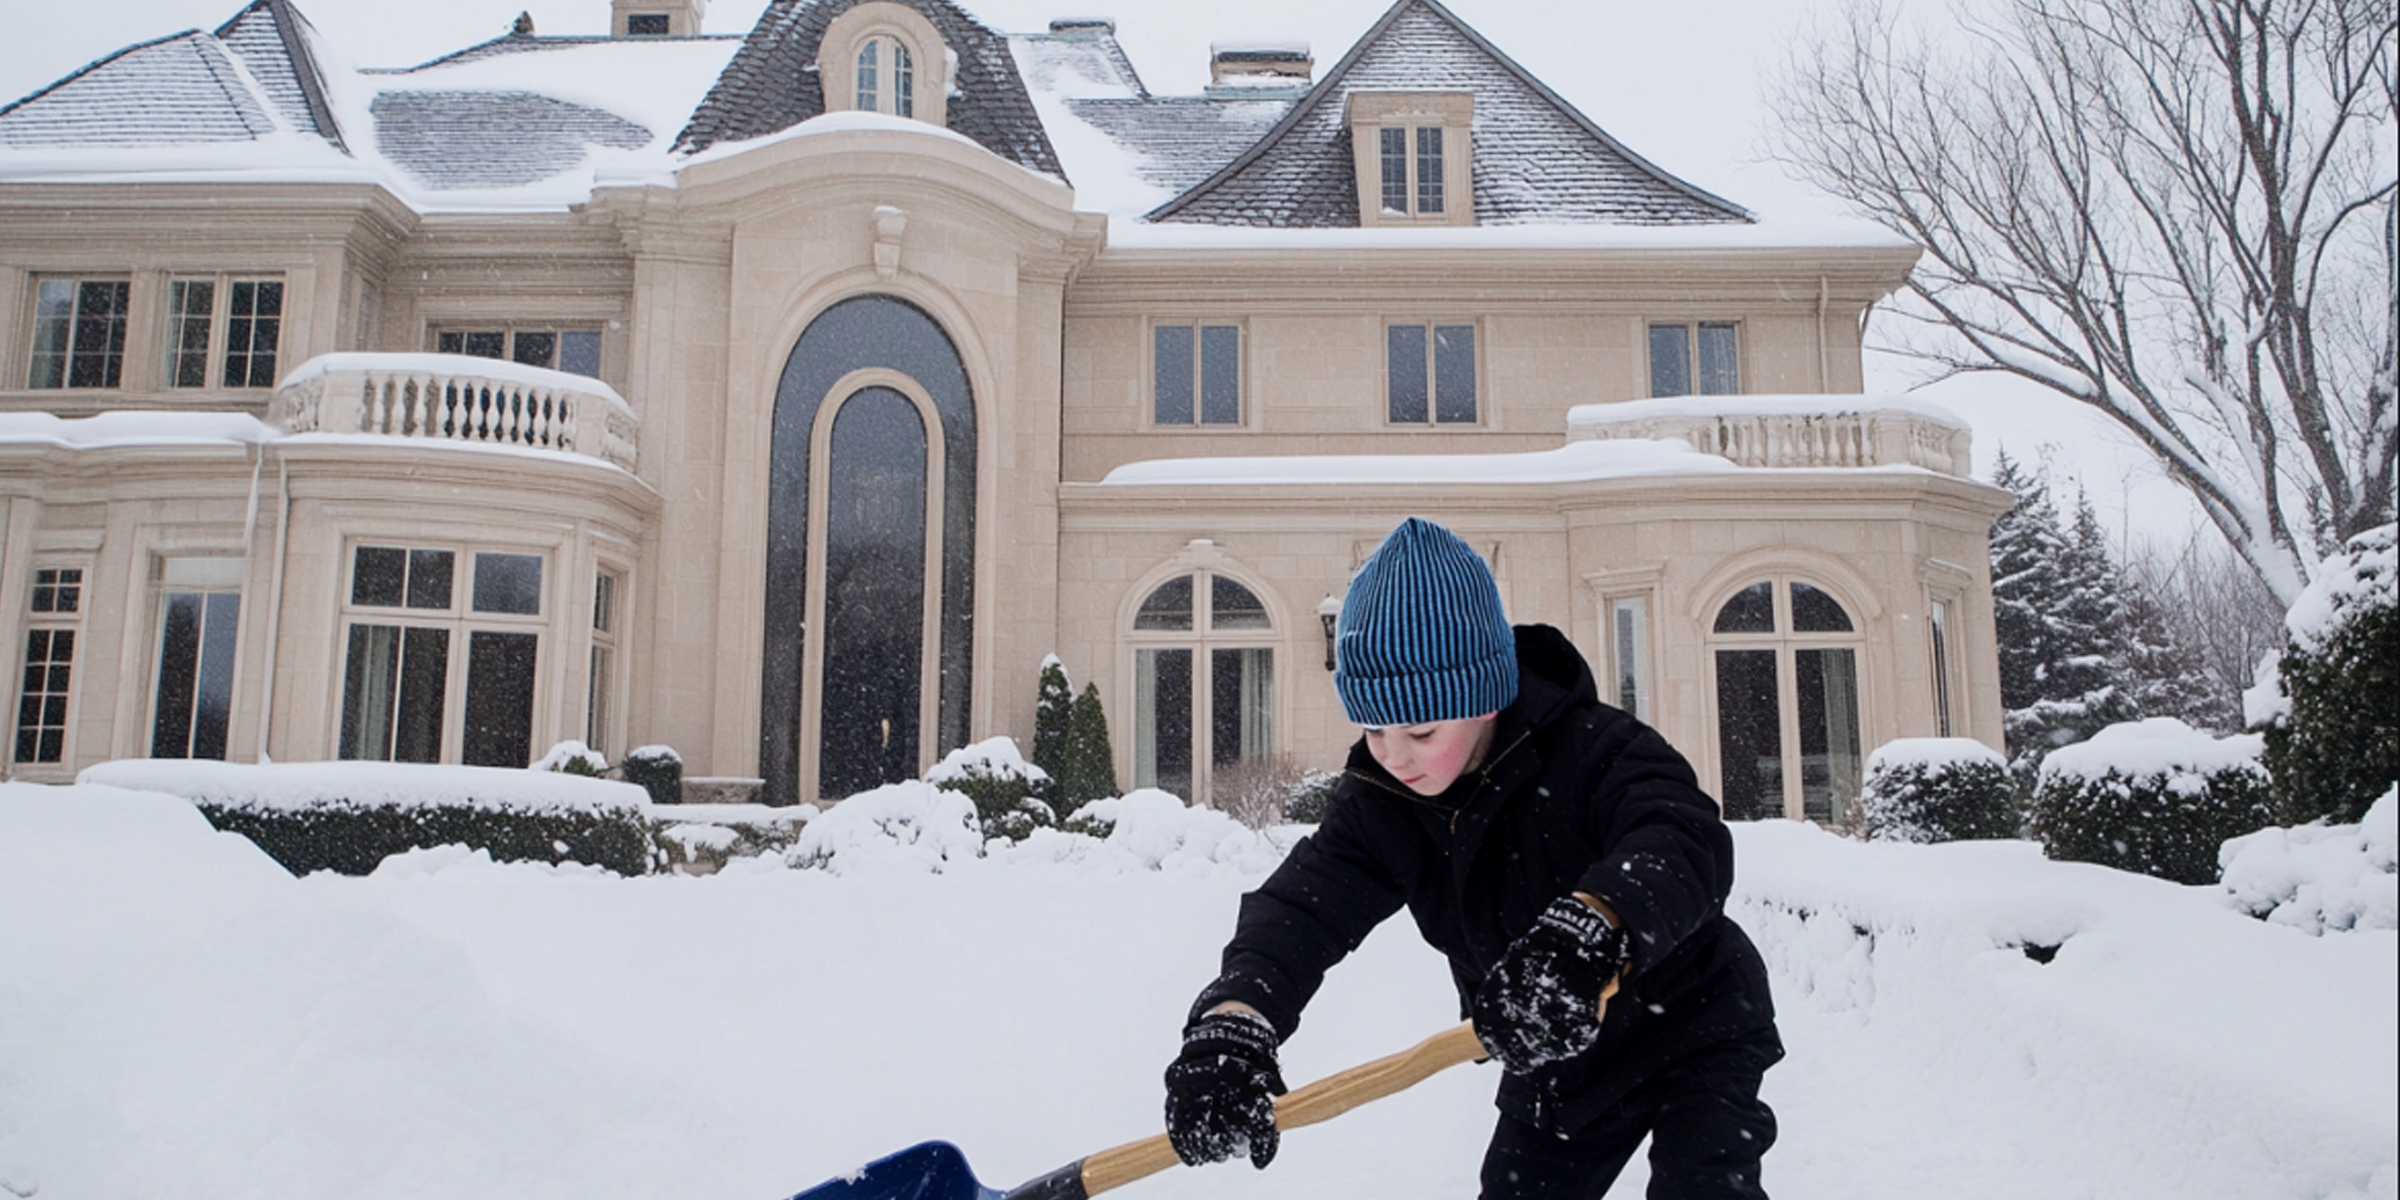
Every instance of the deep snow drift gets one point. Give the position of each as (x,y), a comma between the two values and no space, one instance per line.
(179,1018)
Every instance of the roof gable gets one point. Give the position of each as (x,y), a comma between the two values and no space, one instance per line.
(771,84)
(1536,160)
(272,40)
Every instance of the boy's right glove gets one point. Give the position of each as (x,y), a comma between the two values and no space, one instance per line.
(1541,1001)
(1221,1090)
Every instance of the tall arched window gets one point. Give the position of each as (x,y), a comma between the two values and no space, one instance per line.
(1787,702)
(1203,684)
(887,77)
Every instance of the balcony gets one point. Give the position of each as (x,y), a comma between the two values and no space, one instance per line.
(1799,431)
(457,399)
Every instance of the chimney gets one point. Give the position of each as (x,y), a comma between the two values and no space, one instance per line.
(655,18)
(1265,70)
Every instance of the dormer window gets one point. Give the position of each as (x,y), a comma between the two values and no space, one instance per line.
(1412,157)
(887,77)
(646,24)
(885,58)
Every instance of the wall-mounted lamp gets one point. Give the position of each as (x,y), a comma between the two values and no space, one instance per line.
(1329,613)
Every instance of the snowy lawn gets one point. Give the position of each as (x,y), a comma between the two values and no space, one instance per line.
(179,1018)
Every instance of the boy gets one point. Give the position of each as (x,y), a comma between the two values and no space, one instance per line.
(1546,843)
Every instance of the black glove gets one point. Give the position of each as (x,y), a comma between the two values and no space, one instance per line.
(1221,1090)
(1541,1001)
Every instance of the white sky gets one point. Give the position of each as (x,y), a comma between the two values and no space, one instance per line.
(1678,83)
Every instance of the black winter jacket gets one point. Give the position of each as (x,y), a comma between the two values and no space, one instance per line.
(1574,795)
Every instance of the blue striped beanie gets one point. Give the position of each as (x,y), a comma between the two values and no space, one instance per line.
(1422,637)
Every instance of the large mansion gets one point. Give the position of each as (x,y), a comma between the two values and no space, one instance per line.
(788,398)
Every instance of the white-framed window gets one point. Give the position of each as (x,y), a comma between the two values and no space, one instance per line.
(222,331)
(1937,630)
(1786,655)
(1195,373)
(199,619)
(886,80)
(600,705)
(1429,373)
(1203,682)
(46,694)
(79,333)
(409,694)
(1413,159)
(1701,358)
(1628,637)
(575,351)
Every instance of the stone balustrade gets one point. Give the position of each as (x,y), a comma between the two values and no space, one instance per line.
(1792,431)
(457,398)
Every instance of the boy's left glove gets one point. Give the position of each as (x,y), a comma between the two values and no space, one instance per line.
(1221,1090)
(1541,1001)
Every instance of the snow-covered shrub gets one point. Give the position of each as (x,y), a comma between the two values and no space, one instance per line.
(1148,829)
(2333,734)
(1938,790)
(2320,877)
(2154,796)
(1006,789)
(347,816)
(657,770)
(910,827)
(572,757)
(1256,791)
(699,839)
(1305,803)
(1053,711)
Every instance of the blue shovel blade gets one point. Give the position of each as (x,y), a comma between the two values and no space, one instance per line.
(926,1171)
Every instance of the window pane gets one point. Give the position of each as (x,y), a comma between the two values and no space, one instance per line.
(178,670)
(1749,734)
(1720,364)
(595,725)
(646,25)
(98,355)
(904,82)
(604,603)
(481,343)
(867,86)
(429,578)
(42,706)
(1232,606)
(1815,612)
(1169,606)
(369,687)
(1938,622)
(212,713)
(1827,681)
(1629,632)
(1162,720)
(450,341)
(1220,374)
(58,590)
(1405,367)
(379,576)
(535,348)
(1752,610)
(191,304)
(1394,149)
(53,323)
(253,325)
(1670,360)
(579,352)
(875,586)
(1429,169)
(508,583)
(1171,374)
(424,674)
(1453,373)
(500,673)
(1241,704)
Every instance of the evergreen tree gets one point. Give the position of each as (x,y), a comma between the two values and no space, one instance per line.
(1053,711)
(2087,685)
(2335,747)
(2027,550)
(1088,769)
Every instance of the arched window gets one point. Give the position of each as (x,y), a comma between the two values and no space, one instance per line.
(887,77)
(1787,702)
(1203,684)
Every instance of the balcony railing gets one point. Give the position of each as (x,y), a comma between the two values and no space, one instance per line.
(457,398)
(1792,431)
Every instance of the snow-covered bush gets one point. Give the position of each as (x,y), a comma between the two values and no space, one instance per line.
(1938,790)
(1150,830)
(2154,796)
(1006,789)
(699,839)
(910,827)
(2333,731)
(657,770)
(1306,803)
(347,816)
(1053,711)
(2320,877)
(572,757)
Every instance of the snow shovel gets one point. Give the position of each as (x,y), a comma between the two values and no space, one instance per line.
(938,1170)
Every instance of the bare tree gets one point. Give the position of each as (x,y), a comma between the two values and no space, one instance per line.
(2213,611)
(2180,212)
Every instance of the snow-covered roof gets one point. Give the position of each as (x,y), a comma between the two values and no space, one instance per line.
(1571,463)
(1799,404)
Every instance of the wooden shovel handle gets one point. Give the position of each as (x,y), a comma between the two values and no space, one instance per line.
(1323,1100)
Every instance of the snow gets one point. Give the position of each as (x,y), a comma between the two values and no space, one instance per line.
(206,1026)
(135,429)
(991,758)
(569,751)
(2320,877)
(2155,746)
(299,785)
(1931,752)
(452,364)
(1623,458)
(2365,575)
(1762,405)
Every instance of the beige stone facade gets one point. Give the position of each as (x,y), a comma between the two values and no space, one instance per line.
(656,610)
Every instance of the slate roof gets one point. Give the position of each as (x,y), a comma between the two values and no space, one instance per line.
(181,88)
(771,84)
(493,139)
(1536,159)
(1178,141)
(273,40)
